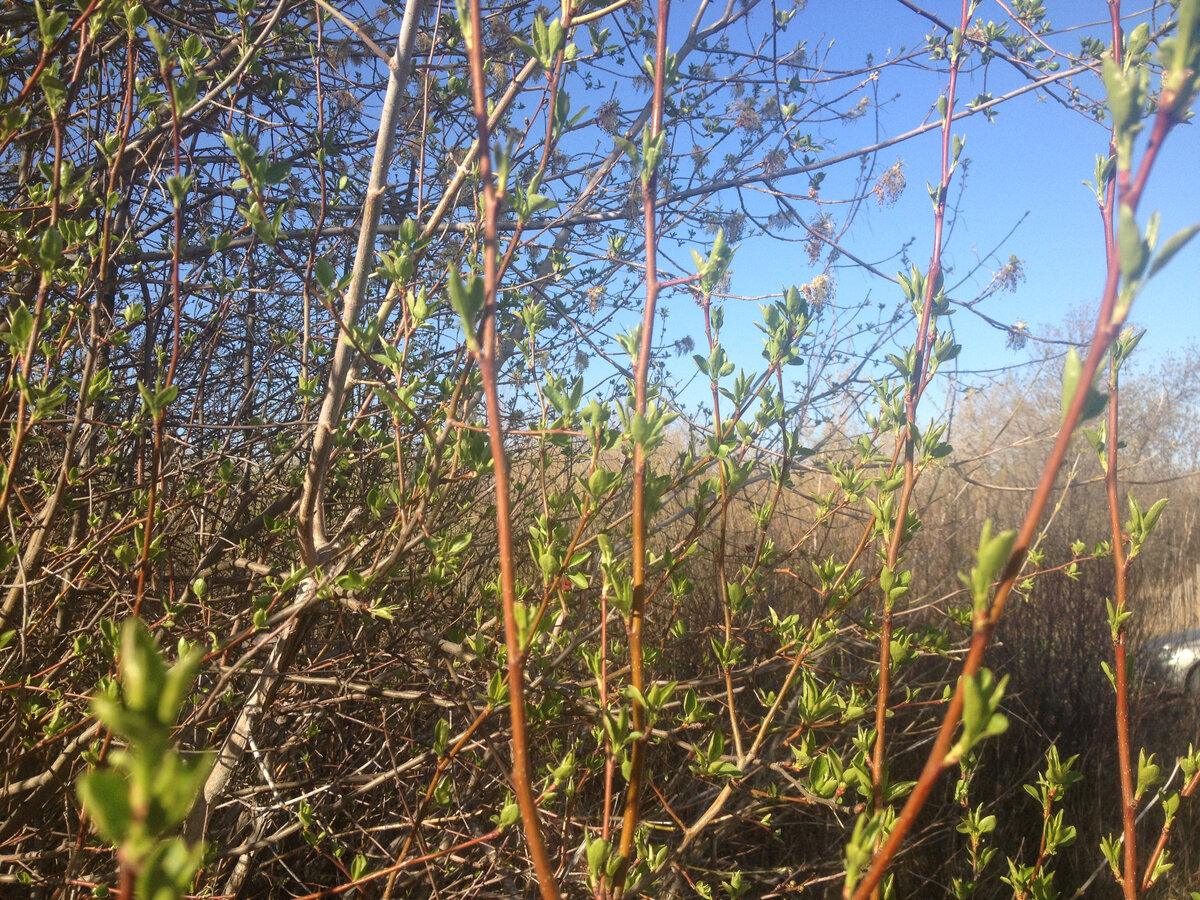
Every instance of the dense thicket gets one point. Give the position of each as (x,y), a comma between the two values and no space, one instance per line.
(360,352)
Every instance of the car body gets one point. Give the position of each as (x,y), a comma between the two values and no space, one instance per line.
(1171,662)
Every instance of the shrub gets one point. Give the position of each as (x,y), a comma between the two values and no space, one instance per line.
(514,570)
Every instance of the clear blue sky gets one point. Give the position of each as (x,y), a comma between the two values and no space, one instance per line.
(1029,163)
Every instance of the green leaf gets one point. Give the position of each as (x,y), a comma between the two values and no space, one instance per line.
(1116,620)
(1120,97)
(713,269)
(1173,245)
(652,152)
(168,873)
(178,187)
(50,25)
(1109,674)
(510,815)
(991,557)
(630,149)
(1147,774)
(161,42)
(1125,344)
(20,327)
(277,172)
(1161,867)
(737,595)
(1180,55)
(178,685)
(382,611)
(535,203)
(1111,848)
(562,119)
(497,690)
(157,399)
(143,674)
(467,301)
(1132,251)
(980,718)
(1150,519)
(176,783)
(1072,371)
(597,856)
(50,249)
(105,796)
(547,40)
(323,269)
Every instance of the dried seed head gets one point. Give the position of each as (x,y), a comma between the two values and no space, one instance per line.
(595,295)
(608,116)
(1018,336)
(819,290)
(890,185)
(1011,274)
(819,231)
(746,117)
(774,161)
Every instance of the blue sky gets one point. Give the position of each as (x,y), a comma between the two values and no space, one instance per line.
(1026,172)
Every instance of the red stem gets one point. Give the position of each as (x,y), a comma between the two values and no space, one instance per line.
(1120,567)
(911,400)
(488,367)
(637,753)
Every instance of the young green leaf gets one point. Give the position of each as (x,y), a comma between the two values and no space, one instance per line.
(467,301)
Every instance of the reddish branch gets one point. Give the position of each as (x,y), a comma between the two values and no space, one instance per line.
(912,397)
(1129,882)
(487,357)
(637,754)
